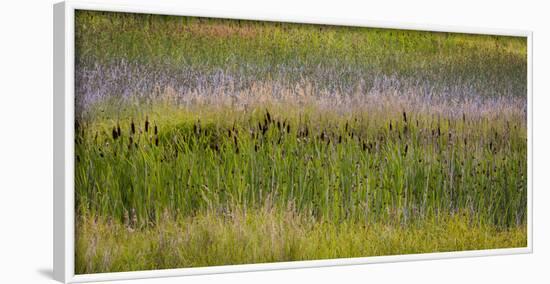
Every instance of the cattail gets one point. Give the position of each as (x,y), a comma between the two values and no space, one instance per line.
(339,139)
(156,130)
(391,127)
(146,123)
(156,140)
(406,148)
(323,136)
(346,127)
(133,127)
(405,116)
(288,128)
(279,125)
(115,134)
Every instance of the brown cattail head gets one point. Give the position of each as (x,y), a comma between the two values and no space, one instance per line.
(405,116)
(156,130)
(115,134)
(156,140)
(391,127)
(146,123)
(133,127)
(236,144)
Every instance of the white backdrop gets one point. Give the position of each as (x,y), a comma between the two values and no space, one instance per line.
(26,139)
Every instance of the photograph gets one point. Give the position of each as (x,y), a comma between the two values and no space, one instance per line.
(202,141)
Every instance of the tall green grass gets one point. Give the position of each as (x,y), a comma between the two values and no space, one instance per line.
(370,168)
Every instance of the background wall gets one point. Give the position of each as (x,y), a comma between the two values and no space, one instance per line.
(26,139)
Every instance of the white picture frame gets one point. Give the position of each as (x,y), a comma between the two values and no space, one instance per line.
(64,215)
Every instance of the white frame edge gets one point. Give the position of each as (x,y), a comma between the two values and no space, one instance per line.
(63,102)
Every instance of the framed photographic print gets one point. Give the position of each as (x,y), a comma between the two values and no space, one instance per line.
(189,143)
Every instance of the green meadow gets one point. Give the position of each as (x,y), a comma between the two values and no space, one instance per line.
(204,142)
